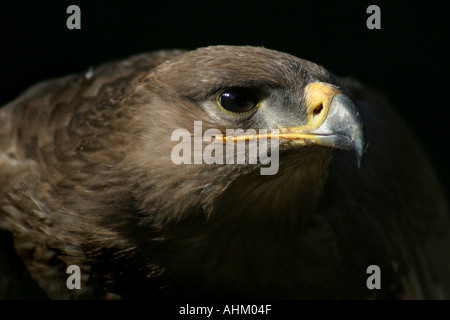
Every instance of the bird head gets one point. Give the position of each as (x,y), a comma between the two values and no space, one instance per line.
(276,95)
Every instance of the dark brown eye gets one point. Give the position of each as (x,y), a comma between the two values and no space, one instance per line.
(238,100)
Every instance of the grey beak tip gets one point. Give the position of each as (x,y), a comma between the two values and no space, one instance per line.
(360,149)
(359,160)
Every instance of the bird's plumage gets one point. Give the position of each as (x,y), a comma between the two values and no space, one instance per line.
(86,178)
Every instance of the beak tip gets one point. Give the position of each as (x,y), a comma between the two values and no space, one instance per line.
(359,160)
(360,149)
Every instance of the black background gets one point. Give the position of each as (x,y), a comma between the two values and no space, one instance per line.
(407,58)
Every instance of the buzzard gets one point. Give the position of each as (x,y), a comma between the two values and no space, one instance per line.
(87,178)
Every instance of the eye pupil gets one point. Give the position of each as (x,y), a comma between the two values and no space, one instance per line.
(238,100)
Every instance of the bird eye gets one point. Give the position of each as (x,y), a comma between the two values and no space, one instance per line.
(238,100)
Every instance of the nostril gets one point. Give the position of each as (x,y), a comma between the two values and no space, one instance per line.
(317,110)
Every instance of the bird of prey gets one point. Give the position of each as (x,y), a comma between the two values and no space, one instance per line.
(87,179)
